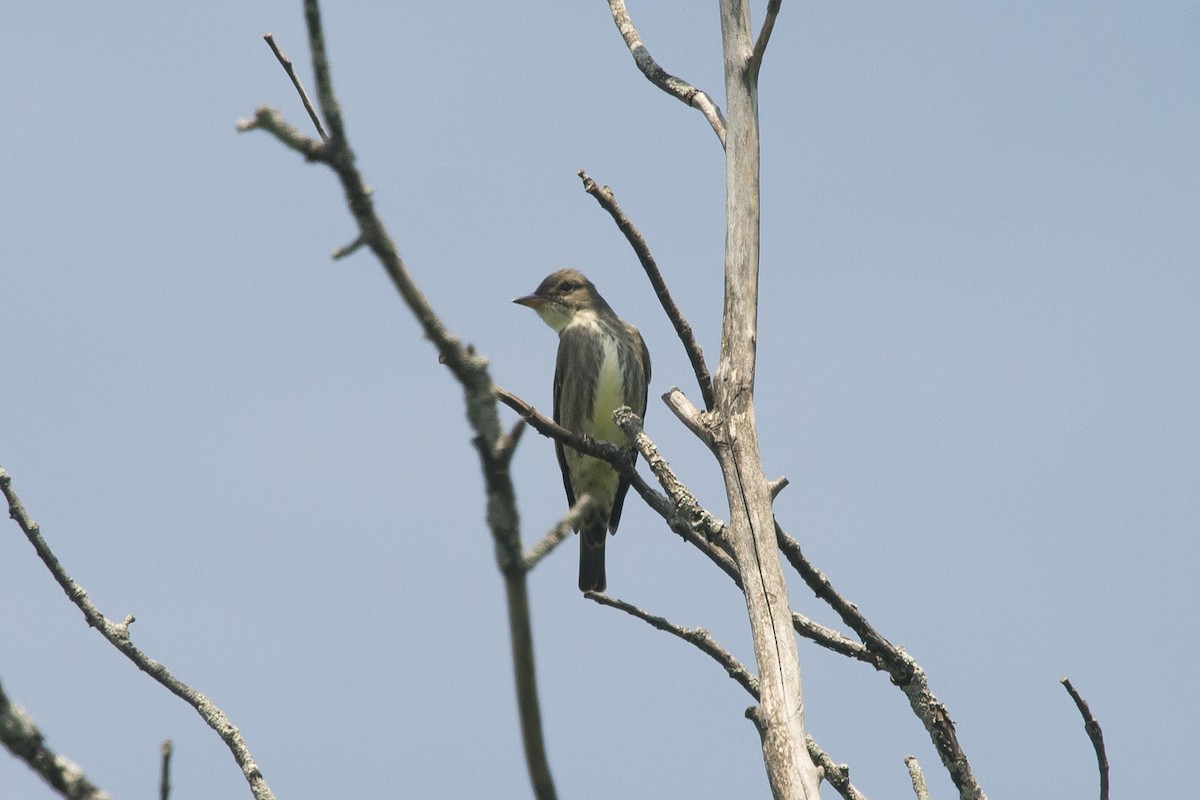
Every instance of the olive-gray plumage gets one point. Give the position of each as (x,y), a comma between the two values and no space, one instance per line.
(602,365)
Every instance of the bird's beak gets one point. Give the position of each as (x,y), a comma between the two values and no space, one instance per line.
(531,300)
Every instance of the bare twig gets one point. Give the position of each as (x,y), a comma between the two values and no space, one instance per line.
(837,775)
(345,250)
(291,72)
(164,782)
(1092,726)
(673,86)
(902,668)
(270,120)
(21,736)
(764,36)
(555,536)
(608,202)
(117,635)
(696,636)
(918,778)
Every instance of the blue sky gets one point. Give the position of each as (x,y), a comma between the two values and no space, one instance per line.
(979,366)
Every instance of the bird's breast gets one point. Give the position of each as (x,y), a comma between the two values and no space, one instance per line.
(609,392)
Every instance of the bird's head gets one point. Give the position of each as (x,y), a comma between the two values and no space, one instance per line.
(561,296)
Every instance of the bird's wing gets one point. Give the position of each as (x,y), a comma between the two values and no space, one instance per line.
(636,393)
(568,410)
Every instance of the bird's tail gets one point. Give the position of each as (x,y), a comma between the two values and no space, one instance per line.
(591,556)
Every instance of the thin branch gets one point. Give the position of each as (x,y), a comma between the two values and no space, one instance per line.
(117,635)
(918,778)
(470,369)
(557,534)
(1092,726)
(764,36)
(349,249)
(685,502)
(778,485)
(837,775)
(291,73)
(902,668)
(21,736)
(696,636)
(270,120)
(508,443)
(608,202)
(673,86)
(831,639)
(164,782)
(695,420)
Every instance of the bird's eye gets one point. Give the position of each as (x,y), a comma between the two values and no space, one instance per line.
(566,287)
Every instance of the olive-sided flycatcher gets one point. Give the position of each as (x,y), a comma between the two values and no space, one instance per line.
(602,365)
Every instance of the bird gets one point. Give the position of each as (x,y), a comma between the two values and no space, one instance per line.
(602,364)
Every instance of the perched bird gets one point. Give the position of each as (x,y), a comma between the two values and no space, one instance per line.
(602,365)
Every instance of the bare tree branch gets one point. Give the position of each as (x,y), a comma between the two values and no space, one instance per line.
(555,536)
(831,639)
(1092,726)
(699,637)
(837,775)
(673,86)
(778,485)
(903,669)
(117,635)
(291,73)
(698,422)
(525,675)
(270,120)
(491,442)
(21,736)
(684,501)
(608,202)
(764,36)
(164,781)
(918,778)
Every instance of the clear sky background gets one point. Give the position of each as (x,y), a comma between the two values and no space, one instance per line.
(979,365)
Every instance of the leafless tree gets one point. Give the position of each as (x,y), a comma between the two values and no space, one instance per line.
(752,548)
